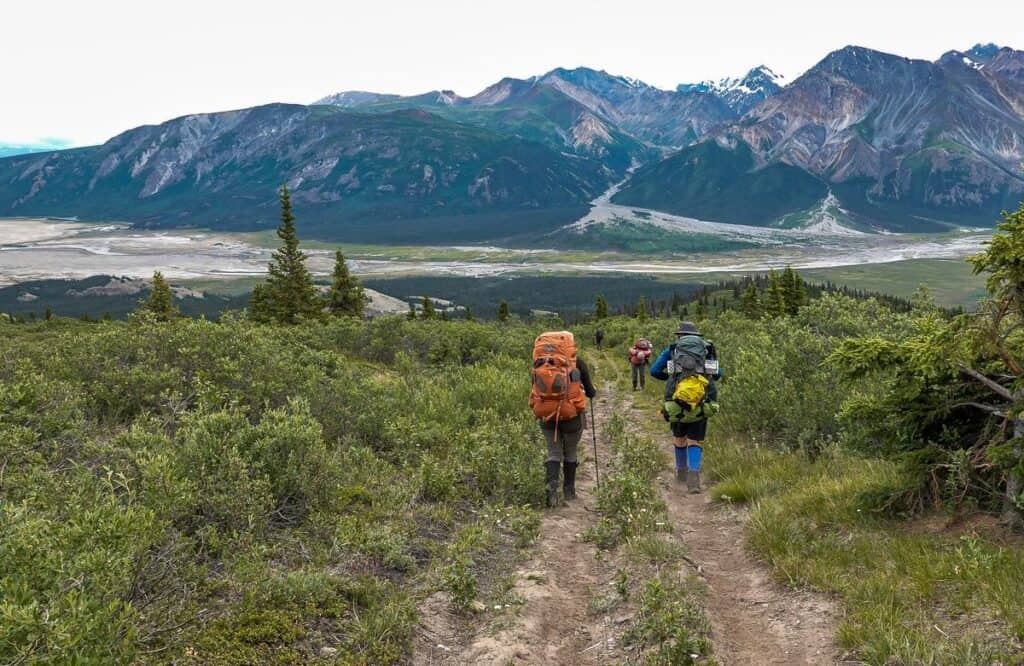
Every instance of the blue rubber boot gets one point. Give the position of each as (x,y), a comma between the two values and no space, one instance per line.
(680,464)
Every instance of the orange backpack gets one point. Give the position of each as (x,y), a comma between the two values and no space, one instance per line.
(557,393)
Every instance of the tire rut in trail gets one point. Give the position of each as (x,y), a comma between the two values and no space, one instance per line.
(555,624)
(754,619)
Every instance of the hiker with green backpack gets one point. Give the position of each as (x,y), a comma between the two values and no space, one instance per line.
(689,368)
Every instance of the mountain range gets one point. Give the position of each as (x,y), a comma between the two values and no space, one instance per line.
(9,149)
(877,140)
(901,144)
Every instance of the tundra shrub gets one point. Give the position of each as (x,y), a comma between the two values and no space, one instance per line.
(197,492)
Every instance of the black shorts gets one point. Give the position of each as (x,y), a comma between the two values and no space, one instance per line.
(696,431)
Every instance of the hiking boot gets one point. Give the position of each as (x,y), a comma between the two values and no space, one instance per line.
(569,483)
(680,476)
(551,483)
(693,482)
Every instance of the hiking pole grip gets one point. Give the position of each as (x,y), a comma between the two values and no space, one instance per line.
(593,433)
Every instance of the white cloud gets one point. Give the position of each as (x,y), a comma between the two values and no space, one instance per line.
(88,70)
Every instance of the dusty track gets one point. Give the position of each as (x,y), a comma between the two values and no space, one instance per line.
(755,620)
(555,625)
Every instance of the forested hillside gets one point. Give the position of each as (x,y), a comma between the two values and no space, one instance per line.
(192,492)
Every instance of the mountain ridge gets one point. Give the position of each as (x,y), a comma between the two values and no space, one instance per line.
(905,144)
(902,144)
(222,171)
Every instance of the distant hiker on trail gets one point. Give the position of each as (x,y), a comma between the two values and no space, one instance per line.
(639,358)
(598,337)
(561,386)
(689,368)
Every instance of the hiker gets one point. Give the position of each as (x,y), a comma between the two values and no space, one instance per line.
(639,357)
(689,368)
(598,337)
(561,386)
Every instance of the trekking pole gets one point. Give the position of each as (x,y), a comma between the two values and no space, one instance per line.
(593,432)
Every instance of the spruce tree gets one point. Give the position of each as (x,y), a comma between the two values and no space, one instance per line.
(444,314)
(161,300)
(641,309)
(750,302)
(346,296)
(412,312)
(701,312)
(775,297)
(427,309)
(794,291)
(503,312)
(600,308)
(800,290)
(48,314)
(288,295)
(1004,310)
(469,314)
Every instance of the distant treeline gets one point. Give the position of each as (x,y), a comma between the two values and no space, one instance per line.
(728,295)
(573,297)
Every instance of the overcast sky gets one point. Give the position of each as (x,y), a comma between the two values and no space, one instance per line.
(83,71)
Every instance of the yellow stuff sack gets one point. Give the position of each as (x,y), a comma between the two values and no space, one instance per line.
(691,390)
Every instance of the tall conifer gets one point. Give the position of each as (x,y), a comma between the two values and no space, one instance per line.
(161,299)
(288,295)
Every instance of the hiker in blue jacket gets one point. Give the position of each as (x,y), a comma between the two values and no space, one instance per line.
(689,356)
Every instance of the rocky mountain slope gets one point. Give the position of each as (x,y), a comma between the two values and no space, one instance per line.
(398,175)
(888,142)
(904,144)
(617,116)
(524,108)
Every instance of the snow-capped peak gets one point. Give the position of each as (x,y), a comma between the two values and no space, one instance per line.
(763,71)
(740,93)
(754,81)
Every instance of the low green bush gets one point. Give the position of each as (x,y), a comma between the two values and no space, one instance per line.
(199,492)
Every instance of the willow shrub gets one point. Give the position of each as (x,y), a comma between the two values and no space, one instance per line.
(199,492)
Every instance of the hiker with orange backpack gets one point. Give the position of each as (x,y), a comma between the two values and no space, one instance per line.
(558,398)
(639,357)
(689,368)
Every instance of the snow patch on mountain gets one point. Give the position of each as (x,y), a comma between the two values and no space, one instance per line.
(755,81)
(970,63)
(740,93)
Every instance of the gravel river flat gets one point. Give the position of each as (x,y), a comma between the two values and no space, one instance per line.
(33,249)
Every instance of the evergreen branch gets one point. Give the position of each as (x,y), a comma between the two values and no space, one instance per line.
(983,407)
(996,388)
(1000,340)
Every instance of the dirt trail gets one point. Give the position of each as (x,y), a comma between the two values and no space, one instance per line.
(755,620)
(555,624)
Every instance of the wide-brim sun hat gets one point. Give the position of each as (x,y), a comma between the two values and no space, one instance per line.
(687,328)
